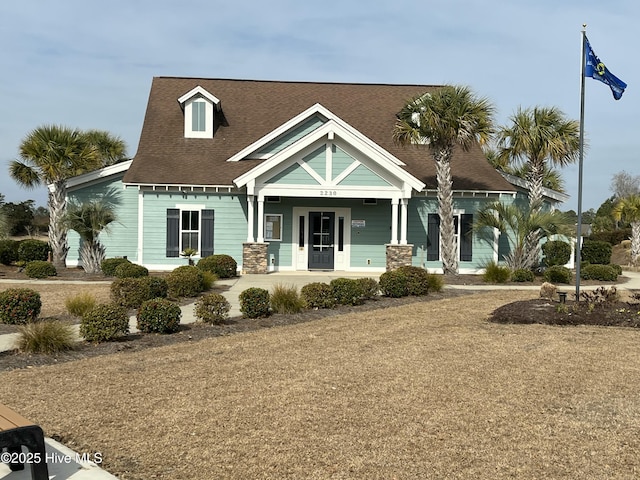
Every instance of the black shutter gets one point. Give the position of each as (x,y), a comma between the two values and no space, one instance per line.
(466,237)
(206,243)
(433,237)
(173,232)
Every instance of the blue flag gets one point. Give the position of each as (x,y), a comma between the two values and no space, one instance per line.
(594,68)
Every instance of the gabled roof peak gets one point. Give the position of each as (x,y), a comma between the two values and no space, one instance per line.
(202,92)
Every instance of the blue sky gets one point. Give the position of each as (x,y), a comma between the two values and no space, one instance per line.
(89,64)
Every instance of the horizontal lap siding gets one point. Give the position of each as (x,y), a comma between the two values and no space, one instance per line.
(369,243)
(229,230)
(122,235)
(363,176)
(281,251)
(293,136)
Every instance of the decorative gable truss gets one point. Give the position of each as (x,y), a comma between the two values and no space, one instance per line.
(200,109)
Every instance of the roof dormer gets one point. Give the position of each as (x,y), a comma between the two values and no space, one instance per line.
(200,109)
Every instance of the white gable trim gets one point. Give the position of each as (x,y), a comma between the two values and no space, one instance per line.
(199,91)
(98,174)
(330,130)
(547,192)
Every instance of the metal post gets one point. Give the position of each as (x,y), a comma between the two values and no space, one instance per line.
(580,163)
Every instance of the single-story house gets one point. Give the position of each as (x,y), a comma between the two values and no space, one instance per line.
(287,176)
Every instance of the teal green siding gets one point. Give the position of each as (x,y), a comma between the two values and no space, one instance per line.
(340,161)
(317,160)
(368,243)
(293,175)
(364,176)
(121,237)
(229,231)
(292,136)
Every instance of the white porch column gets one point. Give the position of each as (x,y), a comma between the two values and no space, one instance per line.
(260,238)
(250,236)
(394,221)
(403,220)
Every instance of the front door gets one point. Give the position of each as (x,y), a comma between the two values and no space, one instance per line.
(321,238)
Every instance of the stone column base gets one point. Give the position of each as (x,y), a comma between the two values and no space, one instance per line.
(254,257)
(398,255)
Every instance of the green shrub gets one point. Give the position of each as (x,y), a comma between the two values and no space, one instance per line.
(417,280)
(522,275)
(40,269)
(594,251)
(109,265)
(254,302)
(30,250)
(159,315)
(130,270)
(369,287)
(317,295)
(285,299)
(132,292)
(224,266)
(556,252)
(80,304)
(613,237)
(19,306)
(47,337)
(158,287)
(603,273)
(558,274)
(394,284)
(8,251)
(347,291)
(104,323)
(494,273)
(185,281)
(212,308)
(616,267)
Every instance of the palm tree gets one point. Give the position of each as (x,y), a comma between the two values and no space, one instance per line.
(523,228)
(628,209)
(50,155)
(89,220)
(541,138)
(111,148)
(451,116)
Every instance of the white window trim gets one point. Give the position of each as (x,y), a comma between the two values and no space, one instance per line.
(266,238)
(188,119)
(191,208)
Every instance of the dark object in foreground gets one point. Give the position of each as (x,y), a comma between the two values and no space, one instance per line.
(16,432)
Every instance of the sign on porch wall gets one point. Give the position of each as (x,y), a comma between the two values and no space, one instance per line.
(358,223)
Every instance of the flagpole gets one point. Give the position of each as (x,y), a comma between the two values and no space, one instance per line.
(580,163)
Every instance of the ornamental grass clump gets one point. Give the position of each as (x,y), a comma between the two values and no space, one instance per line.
(48,337)
(212,308)
(80,304)
(317,295)
(254,302)
(19,306)
(494,273)
(104,323)
(285,299)
(159,316)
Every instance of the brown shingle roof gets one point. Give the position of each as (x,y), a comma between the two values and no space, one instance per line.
(252,109)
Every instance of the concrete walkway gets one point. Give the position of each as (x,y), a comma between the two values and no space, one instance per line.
(72,468)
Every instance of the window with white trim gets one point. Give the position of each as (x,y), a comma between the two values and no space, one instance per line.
(462,236)
(273,227)
(188,228)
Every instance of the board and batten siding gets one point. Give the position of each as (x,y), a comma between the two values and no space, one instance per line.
(121,238)
(229,227)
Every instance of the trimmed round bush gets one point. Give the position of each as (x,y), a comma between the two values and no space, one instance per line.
(19,306)
(556,252)
(130,270)
(159,316)
(522,275)
(317,295)
(417,280)
(40,269)
(347,291)
(132,292)
(50,336)
(30,250)
(494,273)
(109,265)
(224,266)
(594,251)
(254,302)
(212,308)
(558,274)
(158,287)
(616,267)
(369,287)
(8,251)
(394,284)
(104,323)
(185,281)
(404,281)
(603,273)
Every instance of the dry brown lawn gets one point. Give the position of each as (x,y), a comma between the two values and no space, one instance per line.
(427,390)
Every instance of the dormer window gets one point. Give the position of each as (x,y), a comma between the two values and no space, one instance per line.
(200,108)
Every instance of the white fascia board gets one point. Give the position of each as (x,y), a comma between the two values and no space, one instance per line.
(547,192)
(347,134)
(199,91)
(98,174)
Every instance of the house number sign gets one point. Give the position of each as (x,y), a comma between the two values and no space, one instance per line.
(328,193)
